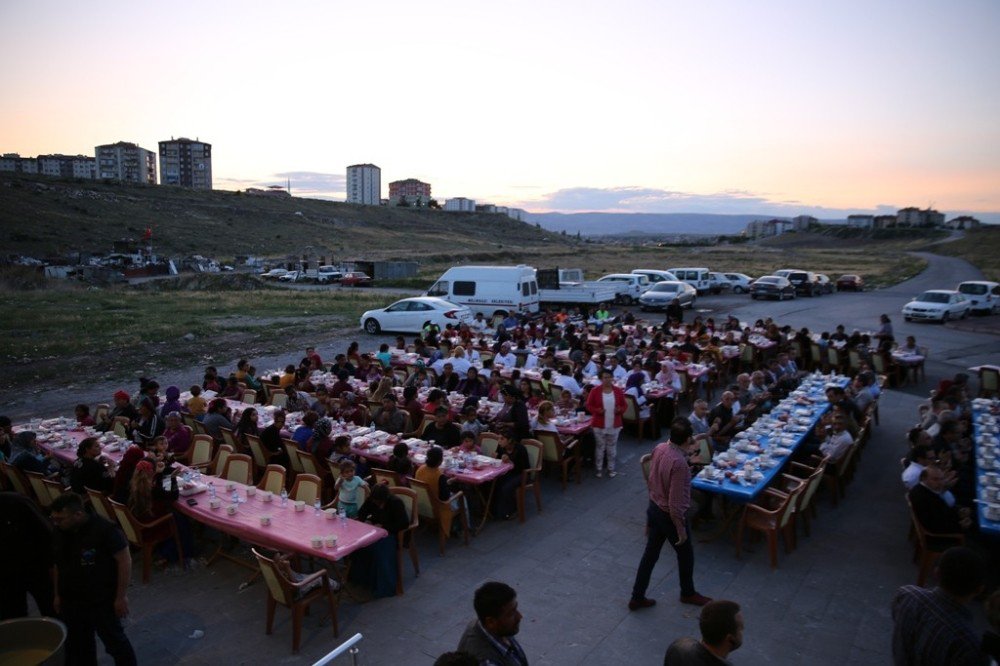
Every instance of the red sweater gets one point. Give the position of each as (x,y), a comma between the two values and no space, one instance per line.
(595,405)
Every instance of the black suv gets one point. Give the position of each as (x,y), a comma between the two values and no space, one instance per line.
(806,283)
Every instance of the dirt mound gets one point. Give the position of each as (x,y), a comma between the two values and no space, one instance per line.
(205,282)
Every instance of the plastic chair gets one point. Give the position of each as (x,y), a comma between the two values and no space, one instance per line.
(38,489)
(307,488)
(441,512)
(559,454)
(296,596)
(101,412)
(406,538)
(257,450)
(101,505)
(488,443)
(279,400)
(249,397)
(923,553)
(813,477)
(292,450)
(529,477)
(199,454)
(633,416)
(989,382)
(239,468)
(771,513)
(219,463)
(229,438)
(145,536)
(273,479)
(387,477)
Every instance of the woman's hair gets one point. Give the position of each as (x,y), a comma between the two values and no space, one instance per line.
(341,442)
(409,393)
(84,445)
(309,418)
(246,421)
(435,395)
(140,496)
(543,407)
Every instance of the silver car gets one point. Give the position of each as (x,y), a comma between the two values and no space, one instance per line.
(661,294)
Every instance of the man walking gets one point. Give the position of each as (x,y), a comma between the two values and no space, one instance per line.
(93,568)
(669,500)
(490,637)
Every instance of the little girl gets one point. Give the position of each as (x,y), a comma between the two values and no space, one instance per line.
(348,487)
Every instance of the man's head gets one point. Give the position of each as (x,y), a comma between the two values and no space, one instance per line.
(67,512)
(950,431)
(680,432)
(933,478)
(743,380)
(728,398)
(496,608)
(962,572)
(441,416)
(721,624)
(700,408)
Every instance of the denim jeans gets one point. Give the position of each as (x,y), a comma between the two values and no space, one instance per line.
(661,529)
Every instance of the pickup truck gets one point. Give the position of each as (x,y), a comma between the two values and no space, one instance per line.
(583,293)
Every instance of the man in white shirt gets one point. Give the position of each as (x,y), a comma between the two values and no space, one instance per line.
(617,371)
(568,382)
(838,442)
(479,324)
(471,353)
(459,363)
(921,458)
(590,366)
(505,358)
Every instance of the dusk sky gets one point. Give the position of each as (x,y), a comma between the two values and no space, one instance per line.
(726,106)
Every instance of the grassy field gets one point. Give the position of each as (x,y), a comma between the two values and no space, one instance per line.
(980,247)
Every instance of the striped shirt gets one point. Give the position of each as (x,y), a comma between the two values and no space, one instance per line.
(931,629)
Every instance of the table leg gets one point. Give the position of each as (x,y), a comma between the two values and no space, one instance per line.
(486,503)
(730,510)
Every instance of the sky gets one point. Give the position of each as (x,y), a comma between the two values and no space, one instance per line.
(726,106)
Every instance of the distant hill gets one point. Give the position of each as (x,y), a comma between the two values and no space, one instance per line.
(43,217)
(601,224)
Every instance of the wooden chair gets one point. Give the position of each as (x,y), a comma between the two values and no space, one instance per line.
(120,426)
(805,510)
(296,596)
(406,538)
(41,494)
(145,536)
(261,457)
(239,468)
(101,505)
(219,462)
(530,478)
(853,361)
(815,356)
(292,451)
(17,480)
(748,357)
(838,474)
(989,382)
(309,464)
(632,416)
(250,397)
(557,453)
(834,360)
(273,479)
(190,421)
(101,412)
(229,438)
(334,470)
(929,546)
(441,512)
(488,443)
(771,513)
(199,454)
(279,399)
(387,477)
(54,488)
(308,488)
(646,462)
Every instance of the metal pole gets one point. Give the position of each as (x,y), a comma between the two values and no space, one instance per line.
(347,647)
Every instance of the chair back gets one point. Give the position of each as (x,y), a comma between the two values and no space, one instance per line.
(292,449)
(239,468)
(488,443)
(552,448)
(277,587)
(120,427)
(54,488)
(279,399)
(813,482)
(704,456)
(18,481)
(307,488)
(334,469)
(386,477)
(221,455)
(249,397)
(99,503)
(793,501)
(631,409)
(485,356)
(879,363)
(101,412)
(200,452)
(816,354)
(833,356)
(260,457)
(989,381)
(229,438)
(409,499)
(425,505)
(127,522)
(37,482)
(309,464)
(854,359)
(273,479)
(190,421)
(534,448)
(646,462)
(746,354)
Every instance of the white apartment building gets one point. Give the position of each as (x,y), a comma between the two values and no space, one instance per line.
(861,221)
(67,166)
(126,162)
(364,184)
(186,163)
(460,204)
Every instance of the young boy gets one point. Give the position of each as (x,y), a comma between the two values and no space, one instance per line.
(349,489)
(196,405)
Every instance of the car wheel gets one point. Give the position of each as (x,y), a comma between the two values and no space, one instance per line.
(945,318)
(907,319)
(372,326)
(753,297)
(965,313)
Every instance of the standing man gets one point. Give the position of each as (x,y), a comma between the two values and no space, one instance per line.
(675,313)
(490,638)
(93,568)
(936,626)
(666,516)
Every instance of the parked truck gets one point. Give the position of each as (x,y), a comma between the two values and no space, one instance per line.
(554,289)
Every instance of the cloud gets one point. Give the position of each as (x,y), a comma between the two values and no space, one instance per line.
(315,183)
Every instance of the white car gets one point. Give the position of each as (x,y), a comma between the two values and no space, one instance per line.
(937,305)
(740,282)
(410,314)
(719,283)
(291,276)
(630,286)
(662,294)
(273,274)
(984,297)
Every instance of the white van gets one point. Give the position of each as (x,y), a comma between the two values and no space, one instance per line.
(696,277)
(489,289)
(984,296)
(655,275)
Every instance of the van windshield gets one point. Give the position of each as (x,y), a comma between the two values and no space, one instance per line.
(973,289)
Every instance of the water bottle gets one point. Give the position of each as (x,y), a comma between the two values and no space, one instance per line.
(284,498)
(316,507)
(343,517)
(236,497)
(211,489)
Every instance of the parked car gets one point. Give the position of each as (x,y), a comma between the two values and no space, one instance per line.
(984,297)
(740,282)
(805,283)
(696,277)
(661,294)
(410,314)
(291,276)
(630,286)
(772,286)
(850,283)
(327,274)
(355,279)
(655,276)
(937,305)
(825,284)
(718,283)
(273,274)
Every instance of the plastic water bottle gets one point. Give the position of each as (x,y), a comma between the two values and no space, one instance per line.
(284,498)
(316,506)
(236,497)
(211,489)
(343,517)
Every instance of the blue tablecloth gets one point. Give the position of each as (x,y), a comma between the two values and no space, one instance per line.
(979,409)
(814,387)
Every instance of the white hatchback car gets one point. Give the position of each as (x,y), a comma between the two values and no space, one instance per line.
(410,314)
(740,282)
(937,305)
(984,297)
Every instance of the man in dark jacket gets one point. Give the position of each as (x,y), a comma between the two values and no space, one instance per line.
(490,637)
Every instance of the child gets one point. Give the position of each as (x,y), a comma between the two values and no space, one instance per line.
(399,462)
(468,444)
(196,405)
(348,488)
(83,417)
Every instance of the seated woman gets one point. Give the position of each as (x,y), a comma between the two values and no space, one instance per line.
(247,425)
(566,402)
(633,387)
(472,386)
(218,417)
(178,436)
(350,410)
(378,391)
(172,402)
(83,417)
(532,399)
(349,489)
(375,566)
(149,501)
(232,390)
(545,421)
(320,444)
(270,439)
(511,451)
(148,426)
(435,399)
(304,432)
(90,470)
(288,378)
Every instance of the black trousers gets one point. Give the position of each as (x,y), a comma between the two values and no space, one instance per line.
(17,584)
(83,622)
(661,530)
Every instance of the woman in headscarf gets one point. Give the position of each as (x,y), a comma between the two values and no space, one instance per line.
(514,414)
(172,403)
(633,387)
(178,436)
(126,468)
(149,426)
(320,444)
(25,455)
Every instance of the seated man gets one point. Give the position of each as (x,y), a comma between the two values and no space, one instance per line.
(388,418)
(724,421)
(441,431)
(934,505)
(838,441)
(123,407)
(921,457)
